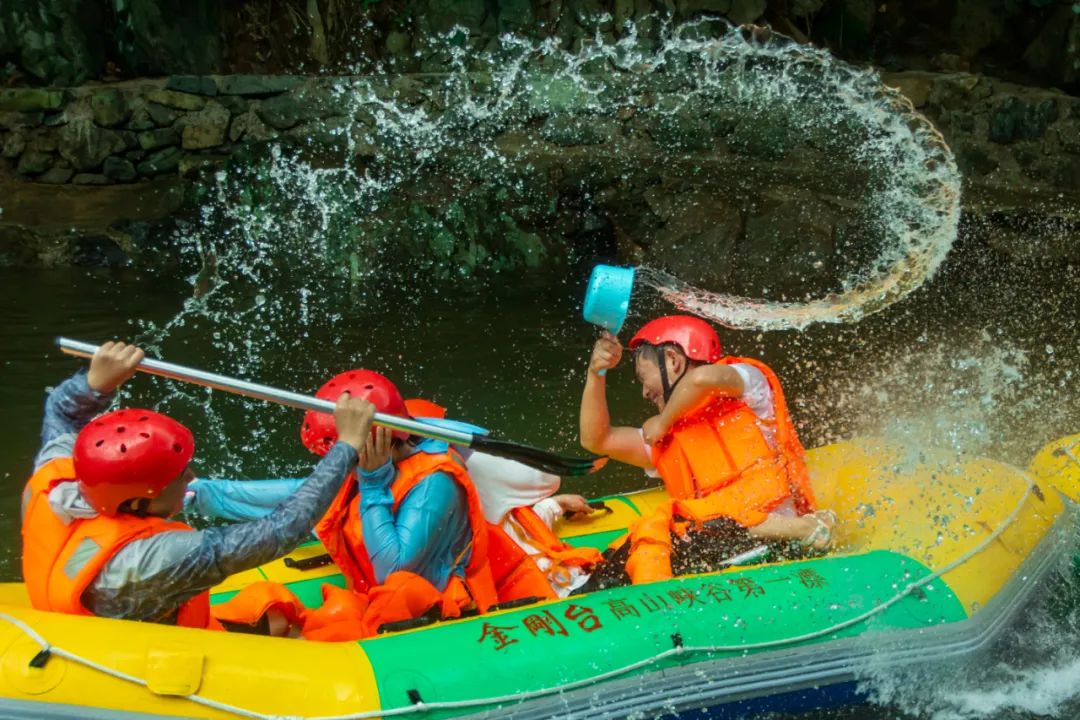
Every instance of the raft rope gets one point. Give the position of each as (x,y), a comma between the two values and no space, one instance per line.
(514,698)
(1067,451)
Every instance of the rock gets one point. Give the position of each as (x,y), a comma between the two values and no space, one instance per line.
(30,99)
(89,179)
(57,42)
(549,94)
(162,161)
(206,128)
(13,120)
(681,129)
(141,120)
(85,145)
(953,92)
(256,84)
(161,37)
(235,104)
(766,138)
(973,159)
(1046,53)
(398,43)
(444,15)
(33,162)
(119,169)
(177,100)
(135,156)
(55,119)
(56,176)
(329,134)
(976,25)
(43,142)
(152,139)
(161,115)
(803,8)
(915,86)
(789,243)
(300,105)
(1015,120)
(697,226)
(192,84)
(191,165)
(14,144)
(746,11)
(108,107)
(703,7)
(250,128)
(569,130)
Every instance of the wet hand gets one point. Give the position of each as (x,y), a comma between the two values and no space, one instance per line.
(112,365)
(352,418)
(574,507)
(606,353)
(376,451)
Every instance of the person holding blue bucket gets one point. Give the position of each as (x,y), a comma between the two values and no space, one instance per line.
(722,441)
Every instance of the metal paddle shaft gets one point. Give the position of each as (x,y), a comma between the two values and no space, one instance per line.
(525,454)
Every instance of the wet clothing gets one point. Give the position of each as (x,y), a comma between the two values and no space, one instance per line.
(150,578)
(426,534)
(428,531)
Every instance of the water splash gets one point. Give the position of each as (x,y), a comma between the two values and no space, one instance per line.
(911,203)
(428,184)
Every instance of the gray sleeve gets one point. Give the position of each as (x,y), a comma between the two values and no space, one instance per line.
(149,579)
(69,407)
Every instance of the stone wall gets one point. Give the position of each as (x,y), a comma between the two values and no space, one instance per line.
(124,151)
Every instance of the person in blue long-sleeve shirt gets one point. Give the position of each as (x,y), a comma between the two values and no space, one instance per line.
(89,547)
(417,511)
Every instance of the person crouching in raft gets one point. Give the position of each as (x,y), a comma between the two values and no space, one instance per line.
(409,535)
(519,500)
(723,443)
(97,539)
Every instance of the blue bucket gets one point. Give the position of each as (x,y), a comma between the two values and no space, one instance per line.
(607,298)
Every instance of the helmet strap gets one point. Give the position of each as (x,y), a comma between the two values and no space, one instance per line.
(661,360)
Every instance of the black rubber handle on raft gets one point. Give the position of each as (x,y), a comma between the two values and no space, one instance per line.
(309,563)
(39,660)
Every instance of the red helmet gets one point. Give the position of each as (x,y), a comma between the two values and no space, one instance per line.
(695,336)
(129,454)
(318,431)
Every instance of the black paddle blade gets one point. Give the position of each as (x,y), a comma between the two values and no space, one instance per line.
(536,458)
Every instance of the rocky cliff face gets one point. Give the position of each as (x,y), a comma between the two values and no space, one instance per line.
(648,186)
(66,42)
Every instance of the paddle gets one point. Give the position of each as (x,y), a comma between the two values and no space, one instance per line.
(533,457)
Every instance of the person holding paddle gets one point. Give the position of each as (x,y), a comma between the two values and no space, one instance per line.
(97,539)
(722,442)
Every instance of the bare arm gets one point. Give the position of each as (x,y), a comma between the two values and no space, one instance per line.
(698,384)
(597,435)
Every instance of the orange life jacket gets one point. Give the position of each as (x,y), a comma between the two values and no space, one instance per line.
(59,561)
(341,531)
(547,544)
(716,461)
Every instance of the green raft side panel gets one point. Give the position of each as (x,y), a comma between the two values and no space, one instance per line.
(547,645)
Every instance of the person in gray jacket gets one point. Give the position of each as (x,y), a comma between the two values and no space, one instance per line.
(96,534)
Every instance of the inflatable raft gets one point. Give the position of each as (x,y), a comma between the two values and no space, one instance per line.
(935,556)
